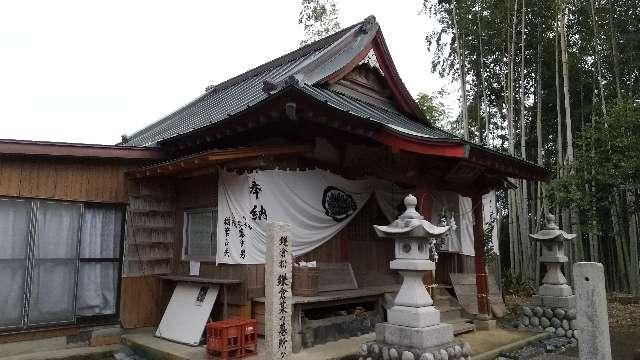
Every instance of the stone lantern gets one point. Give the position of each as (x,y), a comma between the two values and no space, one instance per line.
(553,308)
(554,290)
(413,328)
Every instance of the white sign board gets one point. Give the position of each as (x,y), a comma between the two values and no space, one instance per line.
(186,315)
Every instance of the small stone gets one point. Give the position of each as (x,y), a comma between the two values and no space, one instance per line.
(393,354)
(406,355)
(457,350)
(548,313)
(550,330)
(573,341)
(451,353)
(555,322)
(535,321)
(526,311)
(573,324)
(565,324)
(466,349)
(576,334)
(544,322)
(436,356)
(559,313)
(444,355)
(524,321)
(560,332)
(571,314)
(364,350)
(537,311)
(569,333)
(427,356)
(538,328)
(385,353)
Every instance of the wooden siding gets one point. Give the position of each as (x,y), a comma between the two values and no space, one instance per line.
(202,192)
(64,179)
(142,301)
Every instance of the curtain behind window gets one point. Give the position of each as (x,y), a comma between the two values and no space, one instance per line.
(56,263)
(98,280)
(14,220)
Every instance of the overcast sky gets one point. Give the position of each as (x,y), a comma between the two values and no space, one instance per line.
(89,71)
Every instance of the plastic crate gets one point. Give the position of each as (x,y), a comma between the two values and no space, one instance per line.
(232,339)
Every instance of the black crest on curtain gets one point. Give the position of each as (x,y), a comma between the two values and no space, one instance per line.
(338,204)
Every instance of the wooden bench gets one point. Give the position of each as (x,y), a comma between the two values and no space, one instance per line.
(373,294)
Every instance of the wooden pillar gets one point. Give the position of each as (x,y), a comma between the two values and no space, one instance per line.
(481,268)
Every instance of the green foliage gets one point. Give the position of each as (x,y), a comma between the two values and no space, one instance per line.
(434,110)
(515,284)
(607,158)
(319,18)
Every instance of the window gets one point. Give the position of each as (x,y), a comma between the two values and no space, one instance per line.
(200,234)
(99,260)
(59,261)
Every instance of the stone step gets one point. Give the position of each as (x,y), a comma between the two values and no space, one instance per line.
(461,326)
(450,313)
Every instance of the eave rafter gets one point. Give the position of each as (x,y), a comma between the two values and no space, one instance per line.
(215,157)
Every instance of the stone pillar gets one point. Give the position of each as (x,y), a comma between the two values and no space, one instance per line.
(278,276)
(592,318)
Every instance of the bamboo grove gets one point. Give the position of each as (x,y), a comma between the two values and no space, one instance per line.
(556,83)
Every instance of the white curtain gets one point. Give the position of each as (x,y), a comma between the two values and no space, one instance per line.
(53,286)
(97,281)
(317,204)
(14,219)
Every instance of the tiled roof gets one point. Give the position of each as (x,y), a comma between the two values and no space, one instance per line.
(309,65)
(386,116)
(230,96)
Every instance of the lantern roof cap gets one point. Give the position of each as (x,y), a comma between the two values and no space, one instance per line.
(551,232)
(410,224)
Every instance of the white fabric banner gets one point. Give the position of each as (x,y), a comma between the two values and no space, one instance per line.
(316,203)
(459,213)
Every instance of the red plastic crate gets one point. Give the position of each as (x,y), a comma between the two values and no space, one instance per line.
(232,339)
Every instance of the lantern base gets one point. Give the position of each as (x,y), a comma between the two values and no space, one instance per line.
(413,317)
(567,302)
(555,290)
(421,338)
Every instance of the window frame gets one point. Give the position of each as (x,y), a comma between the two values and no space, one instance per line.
(213,238)
(32,235)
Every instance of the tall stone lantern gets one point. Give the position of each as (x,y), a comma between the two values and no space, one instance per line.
(413,329)
(553,308)
(554,290)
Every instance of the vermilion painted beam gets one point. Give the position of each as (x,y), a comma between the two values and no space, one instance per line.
(397,142)
(478,247)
